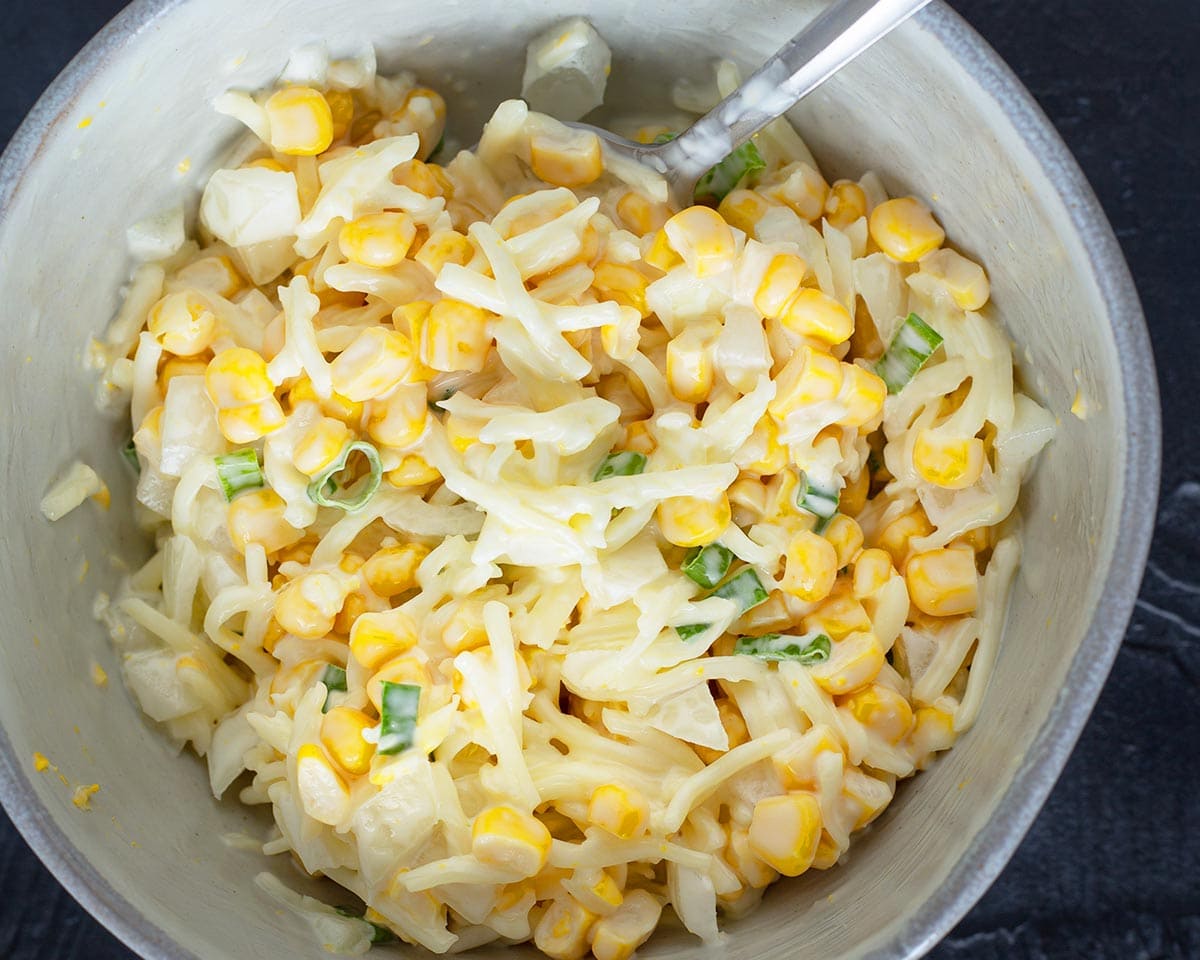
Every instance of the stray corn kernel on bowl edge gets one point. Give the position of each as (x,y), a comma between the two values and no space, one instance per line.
(127,129)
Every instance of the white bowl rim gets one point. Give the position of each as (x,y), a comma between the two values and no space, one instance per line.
(995,844)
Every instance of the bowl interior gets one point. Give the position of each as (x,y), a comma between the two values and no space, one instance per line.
(910,110)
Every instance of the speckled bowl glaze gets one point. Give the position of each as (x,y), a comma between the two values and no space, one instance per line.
(931,108)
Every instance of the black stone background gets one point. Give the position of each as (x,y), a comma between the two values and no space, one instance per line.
(1111,868)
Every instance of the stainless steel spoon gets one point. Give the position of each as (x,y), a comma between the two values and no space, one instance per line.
(838,35)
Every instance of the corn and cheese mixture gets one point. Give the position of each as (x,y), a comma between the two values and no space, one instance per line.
(544,555)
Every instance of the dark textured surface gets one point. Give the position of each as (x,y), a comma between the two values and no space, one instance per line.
(1111,868)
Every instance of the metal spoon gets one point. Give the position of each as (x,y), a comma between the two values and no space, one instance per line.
(820,49)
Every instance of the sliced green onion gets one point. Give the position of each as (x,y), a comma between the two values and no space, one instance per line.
(821,502)
(722,179)
(745,589)
(239,471)
(707,565)
(399,716)
(913,344)
(334,679)
(622,463)
(689,630)
(325,492)
(380,933)
(129,452)
(808,649)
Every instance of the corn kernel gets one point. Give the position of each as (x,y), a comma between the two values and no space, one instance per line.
(342,736)
(812,313)
(770,455)
(179,368)
(839,616)
(749,867)
(933,731)
(743,209)
(803,189)
(257,517)
(372,364)
(951,463)
(595,889)
(660,254)
(393,570)
(638,437)
(896,536)
(464,629)
(639,214)
(402,669)
(341,111)
(398,420)
(867,796)
(323,793)
(881,710)
(618,935)
(320,445)
(251,422)
(301,122)
(354,606)
(622,284)
(780,283)
(943,583)
(862,394)
(811,567)
(735,729)
(847,538)
(621,811)
(503,836)
(872,570)
(798,764)
(455,336)
(809,377)
(182,323)
(413,471)
(853,663)
(845,204)
(784,832)
(442,247)
(418,177)
(690,370)
(562,931)
(379,637)
(692,522)
(566,158)
(905,230)
(217,274)
(307,606)
(703,239)
(237,377)
(377,239)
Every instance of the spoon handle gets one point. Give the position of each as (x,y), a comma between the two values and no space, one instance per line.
(826,44)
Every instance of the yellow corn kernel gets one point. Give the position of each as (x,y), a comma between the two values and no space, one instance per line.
(618,935)
(393,570)
(621,283)
(689,368)
(839,616)
(896,536)
(301,121)
(846,536)
(943,583)
(237,377)
(596,889)
(180,368)
(933,731)
(341,111)
(640,215)
(398,420)
(735,729)
(409,318)
(867,795)
(464,629)
(354,606)
(828,852)
(692,522)
(217,274)
(855,492)
(798,764)
(810,376)
(342,736)
(872,570)
(379,637)
(771,455)
(249,423)
(267,163)
(562,931)
(904,229)
(621,811)
(455,336)
(743,209)
(952,463)
(443,247)
(376,360)
(403,669)
(964,279)
(638,437)
(811,567)
(750,494)
(780,283)
(307,606)
(803,189)
(323,793)
(257,517)
(862,394)
(748,865)
(503,836)
(182,323)
(845,204)
(418,177)
(785,830)
(702,238)
(660,254)
(377,239)
(881,710)
(566,158)
(462,432)
(413,471)
(853,662)
(320,445)
(812,313)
